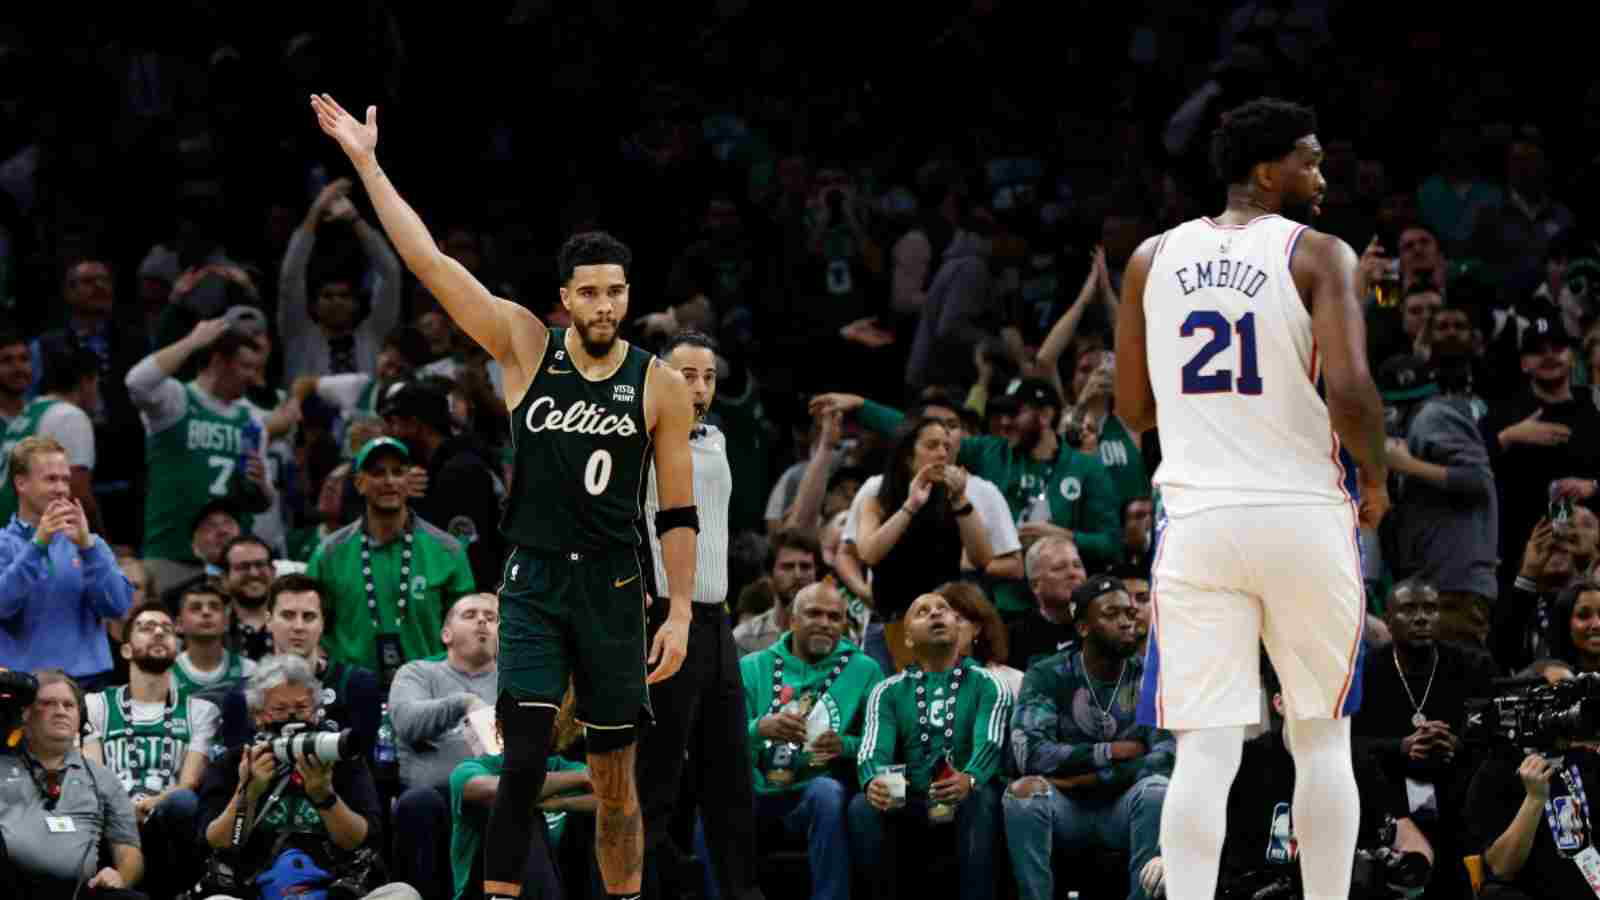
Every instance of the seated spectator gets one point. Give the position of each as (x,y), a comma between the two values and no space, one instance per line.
(983,636)
(755,599)
(913,532)
(1261,848)
(58,581)
(1054,572)
(298,606)
(69,391)
(1529,816)
(58,809)
(943,719)
(1575,626)
(247,573)
(213,529)
(792,563)
(308,819)
(1412,714)
(155,736)
(1137,580)
(392,572)
(203,442)
(567,789)
(144,588)
(429,703)
(1138,533)
(205,664)
(799,782)
(1093,778)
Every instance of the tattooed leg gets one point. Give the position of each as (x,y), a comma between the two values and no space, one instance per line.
(619,828)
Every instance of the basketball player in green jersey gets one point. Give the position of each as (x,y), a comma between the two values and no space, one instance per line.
(585,409)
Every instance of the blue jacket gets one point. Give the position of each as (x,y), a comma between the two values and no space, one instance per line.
(52,601)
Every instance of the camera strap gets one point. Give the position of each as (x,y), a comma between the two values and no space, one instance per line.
(240,832)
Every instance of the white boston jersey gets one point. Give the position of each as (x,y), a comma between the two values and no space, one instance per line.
(1235,373)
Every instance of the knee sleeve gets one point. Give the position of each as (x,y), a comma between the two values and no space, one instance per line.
(525,727)
(1191,829)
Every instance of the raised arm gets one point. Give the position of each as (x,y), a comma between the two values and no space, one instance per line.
(491,321)
(1135,398)
(674,415)
(1062,332)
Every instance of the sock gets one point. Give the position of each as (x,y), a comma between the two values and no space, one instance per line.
(630,896)
(1327,805)
(1191,829)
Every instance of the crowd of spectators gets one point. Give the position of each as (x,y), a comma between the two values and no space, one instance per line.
(253,473)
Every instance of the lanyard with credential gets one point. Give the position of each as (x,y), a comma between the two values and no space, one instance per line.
(1569,825)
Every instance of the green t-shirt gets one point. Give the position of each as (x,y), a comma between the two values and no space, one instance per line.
(977,717)
(1119,453)
(467,823)
(439,574)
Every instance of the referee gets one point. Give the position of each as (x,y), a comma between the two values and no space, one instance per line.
(703,705)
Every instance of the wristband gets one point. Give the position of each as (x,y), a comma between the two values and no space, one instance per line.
(964,511)
(325,805)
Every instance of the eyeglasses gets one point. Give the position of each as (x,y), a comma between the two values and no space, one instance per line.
(260,565)
(148,627)
(299,711)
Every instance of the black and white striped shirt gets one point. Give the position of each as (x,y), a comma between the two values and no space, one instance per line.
(713,486)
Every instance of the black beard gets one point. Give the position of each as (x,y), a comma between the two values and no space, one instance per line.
(250,602)
(596,349)
(152,666)
(1296,210)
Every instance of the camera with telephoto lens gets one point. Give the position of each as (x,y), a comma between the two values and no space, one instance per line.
(1380,873)
(1533,714)
(294,742)
(17,690)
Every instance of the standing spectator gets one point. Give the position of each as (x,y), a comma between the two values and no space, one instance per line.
(57,579)
(1524,617)
(912,534)
(798,784)
(1055,572)
(792,563)
(16,375)
(955,316)
(429,703)
(299,606)
(1103,434)
(205,663)
(1428,680)
(155,737)
(247,572)
(203,443)
(1445,530)
(329,513)
(117,342)
(1092,776)
(944,719)
(358,393)
(1524,225)
(1575,626)
(391,574)
(461,496)
(144,587)
(58,809)
(1541,435)
(335,805)
(71,385)
(330,331)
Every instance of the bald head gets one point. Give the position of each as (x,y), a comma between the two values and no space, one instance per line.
(817,622)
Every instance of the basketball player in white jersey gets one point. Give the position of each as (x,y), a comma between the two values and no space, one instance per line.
(1242,340)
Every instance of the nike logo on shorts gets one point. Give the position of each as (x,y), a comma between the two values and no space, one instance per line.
(625,582)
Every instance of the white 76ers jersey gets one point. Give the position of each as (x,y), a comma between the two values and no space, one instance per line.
(1235,372)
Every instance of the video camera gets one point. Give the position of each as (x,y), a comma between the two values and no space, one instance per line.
(17,690)
(293,742)
(1533,714)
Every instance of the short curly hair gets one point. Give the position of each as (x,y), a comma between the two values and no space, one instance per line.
(592,248)
(1263,130)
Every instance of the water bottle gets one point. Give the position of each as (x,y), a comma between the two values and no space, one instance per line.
(383,754)
(249,441)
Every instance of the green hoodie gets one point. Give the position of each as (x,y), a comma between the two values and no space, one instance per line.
(845,701)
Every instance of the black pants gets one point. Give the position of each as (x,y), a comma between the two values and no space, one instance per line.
(701,710)
(422,840)
(14,883)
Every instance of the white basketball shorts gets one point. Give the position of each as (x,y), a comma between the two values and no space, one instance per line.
(1227,580)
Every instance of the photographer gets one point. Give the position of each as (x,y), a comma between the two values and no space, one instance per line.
(1532,819)
(58,809)
(306,825)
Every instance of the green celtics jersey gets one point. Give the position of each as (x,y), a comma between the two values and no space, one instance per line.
(145,745)
(581,448)
(234,669)
(191,463)
(1119,453)
(24,425)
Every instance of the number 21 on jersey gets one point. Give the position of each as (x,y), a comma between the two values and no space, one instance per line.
(1221,380)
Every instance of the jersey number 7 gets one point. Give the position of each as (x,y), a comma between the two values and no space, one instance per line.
(1221,381)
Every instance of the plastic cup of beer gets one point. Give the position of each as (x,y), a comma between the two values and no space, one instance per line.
(894,778)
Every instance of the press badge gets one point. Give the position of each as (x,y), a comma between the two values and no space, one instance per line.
(60,824)
(390,656)
(1589,864)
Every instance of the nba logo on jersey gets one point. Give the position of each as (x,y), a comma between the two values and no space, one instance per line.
(1281,845)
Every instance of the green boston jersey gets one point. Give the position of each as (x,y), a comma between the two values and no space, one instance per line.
(25,425)
(234,669)
(580,448)
(439,573)
(147,754)
(191,463)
